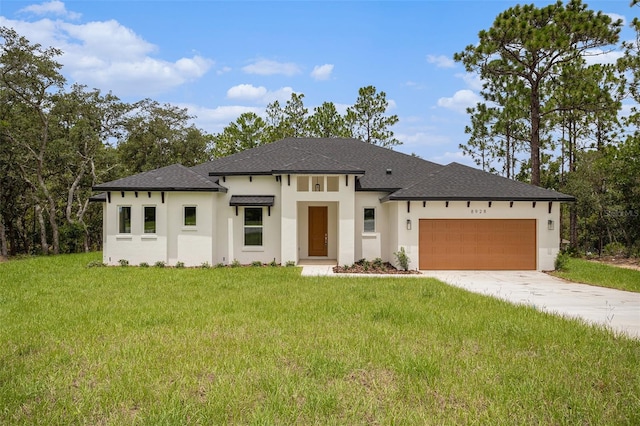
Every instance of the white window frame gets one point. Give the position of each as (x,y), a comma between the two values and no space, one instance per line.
(364,220)
(184,216)
(245,227)
(144,219)
(119,221)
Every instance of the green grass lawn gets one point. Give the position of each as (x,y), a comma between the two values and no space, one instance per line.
(600,274)
(125,345)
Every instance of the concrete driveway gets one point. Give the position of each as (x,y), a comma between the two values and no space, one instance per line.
(619,310)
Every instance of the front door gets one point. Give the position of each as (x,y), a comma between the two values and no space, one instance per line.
(318,231)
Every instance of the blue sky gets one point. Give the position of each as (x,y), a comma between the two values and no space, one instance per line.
(222,58)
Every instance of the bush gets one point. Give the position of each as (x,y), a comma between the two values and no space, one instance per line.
(290,263)
(220,265)
(273,263)
(123,262)
(402,258)
(562,261)
(159,264)
(205,265)
(615,249)
(96,264)
(256,263)
(144,265)
(179,265)
(235,263)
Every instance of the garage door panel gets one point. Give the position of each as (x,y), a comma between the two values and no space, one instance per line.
(467,244)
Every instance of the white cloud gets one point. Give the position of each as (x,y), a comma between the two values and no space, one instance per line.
(260,94)
(267,67)
(322,72)
(614,17)
(246,92)
(54,7)
(450,157)
(472,80)
(599,56)
(111,57)
(214,120)
(460,101)
(441,61)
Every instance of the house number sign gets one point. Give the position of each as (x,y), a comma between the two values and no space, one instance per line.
(478,211)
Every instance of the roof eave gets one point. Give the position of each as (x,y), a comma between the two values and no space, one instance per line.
(391,197)
(165,189)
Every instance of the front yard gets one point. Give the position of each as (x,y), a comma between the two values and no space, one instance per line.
(125,345)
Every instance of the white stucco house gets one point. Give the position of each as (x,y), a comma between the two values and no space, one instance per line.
(340,200)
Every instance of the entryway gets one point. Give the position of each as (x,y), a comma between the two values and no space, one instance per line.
(318,231)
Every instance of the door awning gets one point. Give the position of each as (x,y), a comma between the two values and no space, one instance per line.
(252,200)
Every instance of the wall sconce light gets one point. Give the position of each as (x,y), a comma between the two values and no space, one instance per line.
(317,187)
(408,224)
(550,225)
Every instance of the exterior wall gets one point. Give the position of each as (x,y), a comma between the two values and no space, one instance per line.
(230,239)
(294,220)
(192,245)
(548,241)
(369,245)
(171,242)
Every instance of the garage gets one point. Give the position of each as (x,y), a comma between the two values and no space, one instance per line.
(477,244)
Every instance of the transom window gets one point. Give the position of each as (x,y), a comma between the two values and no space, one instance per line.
(369,219)
(124,219)
(253,226)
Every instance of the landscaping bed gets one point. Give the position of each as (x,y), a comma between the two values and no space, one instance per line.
(376,266)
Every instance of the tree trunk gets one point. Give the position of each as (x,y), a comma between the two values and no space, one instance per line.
(4,248)
(43,230)
(535,134)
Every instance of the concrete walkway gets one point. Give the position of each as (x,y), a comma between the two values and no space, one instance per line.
(616,309)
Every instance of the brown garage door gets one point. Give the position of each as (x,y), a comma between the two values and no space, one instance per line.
(488,244)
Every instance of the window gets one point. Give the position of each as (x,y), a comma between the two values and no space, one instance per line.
(149,219)
(190,216)
(333,184)
(317,183)
(369,220)
(124,219)
(253,226)
(303,183)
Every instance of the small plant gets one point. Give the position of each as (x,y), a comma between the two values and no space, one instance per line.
(159,264)
(615,249)
(290,263)
(96,264)
(378,263)
(235,263)
(219,265)
(179,265)
(402,258)
(123,262)
(205,265)
(144,265)
(562,261)
(273,263)
(256,263)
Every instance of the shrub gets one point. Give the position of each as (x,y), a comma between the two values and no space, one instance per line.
(205,265)
(402,258)
(273,263)
(615,249)
(96,264)
(220,265)
(144,265)
(235,263)
(123,262)
(562,261)
(179,265)
(378,263)
(290,263)
(256,263)
(159,264)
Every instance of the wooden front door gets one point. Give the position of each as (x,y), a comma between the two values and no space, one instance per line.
(318,228)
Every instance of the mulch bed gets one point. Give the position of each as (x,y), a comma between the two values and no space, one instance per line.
(365,267)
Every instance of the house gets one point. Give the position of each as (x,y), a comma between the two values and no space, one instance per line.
(340,200)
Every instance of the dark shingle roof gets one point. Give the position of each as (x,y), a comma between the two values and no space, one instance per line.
(326,155)
(252,200)
(171,178)
(458,182)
